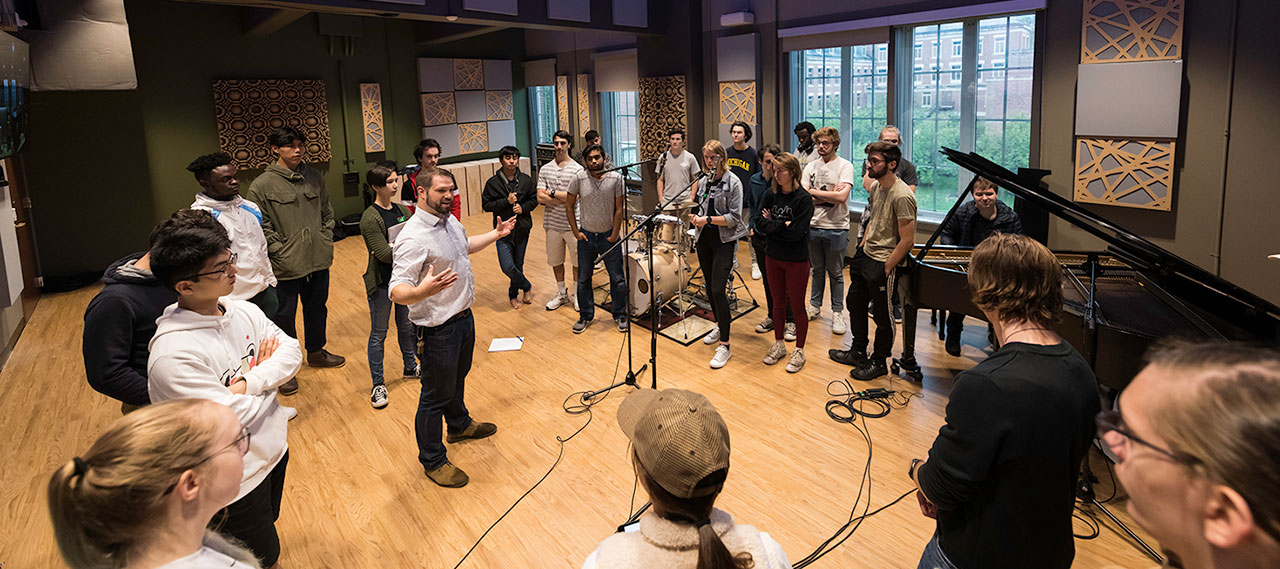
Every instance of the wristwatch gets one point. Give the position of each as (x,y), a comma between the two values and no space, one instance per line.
(553,193)
(915,463)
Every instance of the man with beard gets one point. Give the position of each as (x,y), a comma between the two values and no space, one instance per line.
(806,151)
(431,274)
(427,154)
(599,195)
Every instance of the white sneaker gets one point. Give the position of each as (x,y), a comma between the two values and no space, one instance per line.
(574,300)
(838,325)
(558,300)
(379,397)
(713,336)
(755,271)
(721,357)
(797,361)
(813,311)
(789,333)
(775,354)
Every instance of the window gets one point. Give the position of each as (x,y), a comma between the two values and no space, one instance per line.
(823,87)
(543,107)
(620,127)
(955,48)
(997,104)
(918,51)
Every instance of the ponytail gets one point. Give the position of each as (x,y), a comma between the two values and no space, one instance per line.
(712,553)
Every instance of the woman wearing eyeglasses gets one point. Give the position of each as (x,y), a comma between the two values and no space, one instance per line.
(1000,477)
(143,494)
(1197,447)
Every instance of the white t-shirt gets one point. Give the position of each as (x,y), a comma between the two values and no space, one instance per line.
(676,174)
(552,176)
(826,176)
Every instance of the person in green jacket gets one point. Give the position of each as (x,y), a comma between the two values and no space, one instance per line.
(375,224)
(298,224)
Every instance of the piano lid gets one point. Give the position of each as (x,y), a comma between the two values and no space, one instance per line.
(1255,316)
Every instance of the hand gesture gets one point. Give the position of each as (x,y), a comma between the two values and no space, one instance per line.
(765,214)
(267,348)
(506,225)
(579,236)
(613,237)
(516,208)
(434,282)
(511,197)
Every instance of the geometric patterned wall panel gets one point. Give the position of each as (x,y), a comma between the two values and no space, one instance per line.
(1128,173)
(473,137)
(584,103)
(562,102)
(662,107)
(371,111)
(438,109)
(738,101)
(247,110)
(498,106)
(1125,30)
(468,74)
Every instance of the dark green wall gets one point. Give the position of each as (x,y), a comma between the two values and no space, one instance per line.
(110,164)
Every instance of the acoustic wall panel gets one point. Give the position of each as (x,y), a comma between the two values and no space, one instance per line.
(498,106)
(471,105)
(1123,30)
(562,102)
(497,74)
(1131,173)
(508,7)
(662,107)
(501,133)
(371,114)
(460,98)
(584,102)
(473,137)
(1136,99)
(247,110)
(438,109)
(572,10)
(435,75)
(468,74)
(736,58)
(738,102)
(446,135)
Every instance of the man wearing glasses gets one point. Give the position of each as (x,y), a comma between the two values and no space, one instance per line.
(226,350)
(1000,478)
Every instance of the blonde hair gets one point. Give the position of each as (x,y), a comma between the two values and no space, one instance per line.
(829,132)
(1018,277)
(721,157)
(1226,417)
(792,164)
(106,503)
(984,183)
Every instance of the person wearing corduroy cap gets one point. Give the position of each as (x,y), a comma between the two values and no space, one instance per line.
(681,456)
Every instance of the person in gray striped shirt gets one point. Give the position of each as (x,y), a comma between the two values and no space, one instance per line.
(553,190)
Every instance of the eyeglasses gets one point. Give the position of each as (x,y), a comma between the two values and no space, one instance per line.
(223,270)
(241,444)
(1113,432)
(873,160)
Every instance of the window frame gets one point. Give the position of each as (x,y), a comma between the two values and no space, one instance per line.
(614,107)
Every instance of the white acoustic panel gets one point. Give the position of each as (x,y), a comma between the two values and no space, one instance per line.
(572,10)
(736,58)
(1138,99)
(470,105)
(501,133)
(632,13)
(508,7)
(446,135)
(497,74)
(435,74)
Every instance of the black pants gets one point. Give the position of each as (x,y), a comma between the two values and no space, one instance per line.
(445,354)
(314,291)
(757,245)
(869,284)
(252,519)
(716,259)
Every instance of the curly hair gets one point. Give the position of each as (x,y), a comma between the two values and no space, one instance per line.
(1017,277)
(203,166)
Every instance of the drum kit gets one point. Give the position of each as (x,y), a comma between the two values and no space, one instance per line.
(672,242)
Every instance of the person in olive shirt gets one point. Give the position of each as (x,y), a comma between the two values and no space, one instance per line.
(298,224)
(375,224)
(510,193)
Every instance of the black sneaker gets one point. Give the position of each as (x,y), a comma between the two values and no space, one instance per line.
(897,313)
(869,370)
(953,345)
(622,323)
(847,357)
(413,371)
(581,326)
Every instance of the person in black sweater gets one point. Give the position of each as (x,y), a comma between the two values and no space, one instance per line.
(1000,477)
(784,221)
(510,192)
(120,321)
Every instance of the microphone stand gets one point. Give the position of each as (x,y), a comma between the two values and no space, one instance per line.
(647,226)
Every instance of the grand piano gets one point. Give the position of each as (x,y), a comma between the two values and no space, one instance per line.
(1117,302)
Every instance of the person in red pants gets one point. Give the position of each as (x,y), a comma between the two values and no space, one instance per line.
(784,221)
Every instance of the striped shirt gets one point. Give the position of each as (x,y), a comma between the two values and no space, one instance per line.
(427,240)
(552,176)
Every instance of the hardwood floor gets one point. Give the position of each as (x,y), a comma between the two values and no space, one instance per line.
(357,497)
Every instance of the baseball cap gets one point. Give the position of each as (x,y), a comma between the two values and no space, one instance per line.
(678,436)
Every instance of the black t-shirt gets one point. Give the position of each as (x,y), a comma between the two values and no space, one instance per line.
(980,229)
(390,217)
(1003,468)
(743,163)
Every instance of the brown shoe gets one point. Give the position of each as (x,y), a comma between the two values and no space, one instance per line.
(289,387)
(476,430)
(323,358)
(448,476)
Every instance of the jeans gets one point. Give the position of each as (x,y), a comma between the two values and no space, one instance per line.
(826,259)
(588,250)
(933,556)
(446,359)
(868,284)
(379,311)
(716,259)
(757,250)
(314,291)
(511,259)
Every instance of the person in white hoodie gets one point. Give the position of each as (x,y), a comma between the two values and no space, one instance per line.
(220,196)
(210,346)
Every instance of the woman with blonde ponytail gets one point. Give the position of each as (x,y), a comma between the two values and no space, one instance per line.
(143,494)
(681,457)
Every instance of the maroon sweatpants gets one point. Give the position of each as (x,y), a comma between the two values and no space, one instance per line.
(788,283)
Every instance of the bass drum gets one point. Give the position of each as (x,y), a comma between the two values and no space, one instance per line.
(664,281)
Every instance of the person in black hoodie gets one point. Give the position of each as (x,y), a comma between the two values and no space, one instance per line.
(510,192)
(120,320)
(784,221)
